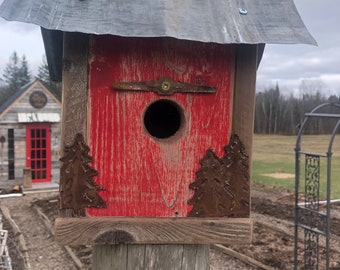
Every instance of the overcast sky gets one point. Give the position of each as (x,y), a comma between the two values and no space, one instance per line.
(286,65)
(290,64)
(23,38)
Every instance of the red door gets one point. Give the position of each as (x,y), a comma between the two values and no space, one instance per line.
(38,152)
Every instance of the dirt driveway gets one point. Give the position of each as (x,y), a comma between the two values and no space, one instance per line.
(42,252)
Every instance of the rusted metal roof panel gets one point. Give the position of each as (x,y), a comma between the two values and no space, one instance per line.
(219,21)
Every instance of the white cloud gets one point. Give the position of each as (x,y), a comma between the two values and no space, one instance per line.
(290,64)
(24,39)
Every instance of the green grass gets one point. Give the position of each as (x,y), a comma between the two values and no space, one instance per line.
(275,154)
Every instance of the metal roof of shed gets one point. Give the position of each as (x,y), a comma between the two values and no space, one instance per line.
(21,91)
(218,21)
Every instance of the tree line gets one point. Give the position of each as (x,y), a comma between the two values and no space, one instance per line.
(279,114)
(17,74)
(274,113)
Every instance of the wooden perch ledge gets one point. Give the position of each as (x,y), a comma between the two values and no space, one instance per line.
(145,230)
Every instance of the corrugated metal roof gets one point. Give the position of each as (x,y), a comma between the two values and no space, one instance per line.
(14,96)
(38,117)
(219,21)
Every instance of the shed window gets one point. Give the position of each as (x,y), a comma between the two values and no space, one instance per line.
(11,158)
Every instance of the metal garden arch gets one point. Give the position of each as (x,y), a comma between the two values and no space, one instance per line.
(310,219)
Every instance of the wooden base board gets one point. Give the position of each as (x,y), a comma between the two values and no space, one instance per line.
(145,230)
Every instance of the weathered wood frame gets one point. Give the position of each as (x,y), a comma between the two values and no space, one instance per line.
(113,230)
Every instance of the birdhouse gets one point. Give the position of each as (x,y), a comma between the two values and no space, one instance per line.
(160,140)
(158,107)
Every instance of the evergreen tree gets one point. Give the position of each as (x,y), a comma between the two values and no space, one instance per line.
(11,72)
(24,73)
(16,73)
(221,187)
(44,76)
(43,72)
(4,93)
(78,189)
(236,162)
(212,196)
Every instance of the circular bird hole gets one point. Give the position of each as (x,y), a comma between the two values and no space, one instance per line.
(163,119)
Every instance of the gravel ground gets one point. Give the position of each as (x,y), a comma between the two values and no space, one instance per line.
(273,239)
(43,253)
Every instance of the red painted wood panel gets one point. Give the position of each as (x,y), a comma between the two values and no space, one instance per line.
(143,175)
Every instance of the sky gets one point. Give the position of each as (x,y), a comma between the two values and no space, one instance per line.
(285,65)
(289,65)
(24,39)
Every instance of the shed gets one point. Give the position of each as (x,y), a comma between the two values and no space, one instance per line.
(30,133)
(158,107)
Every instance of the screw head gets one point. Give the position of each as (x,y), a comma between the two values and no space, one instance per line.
(243,11)
(166,86)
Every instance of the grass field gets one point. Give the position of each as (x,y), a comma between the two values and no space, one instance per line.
(274,160)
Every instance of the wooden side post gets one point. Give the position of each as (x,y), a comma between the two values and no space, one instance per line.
(244,95)
(75,92)
(75,87)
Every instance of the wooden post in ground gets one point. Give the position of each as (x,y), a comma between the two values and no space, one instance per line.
(160,257)
(27,183)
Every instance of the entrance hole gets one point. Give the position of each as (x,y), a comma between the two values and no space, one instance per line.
(163,119)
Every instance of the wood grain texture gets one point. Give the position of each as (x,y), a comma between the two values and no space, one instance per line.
(75,91)
(244,98)
(144,175)
(116,230)
(158,257)
(208,125)
(75,86)
(244,95)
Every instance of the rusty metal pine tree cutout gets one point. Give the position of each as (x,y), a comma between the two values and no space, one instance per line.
(78,189)
(222,185)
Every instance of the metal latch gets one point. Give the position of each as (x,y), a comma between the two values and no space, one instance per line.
(163,86)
